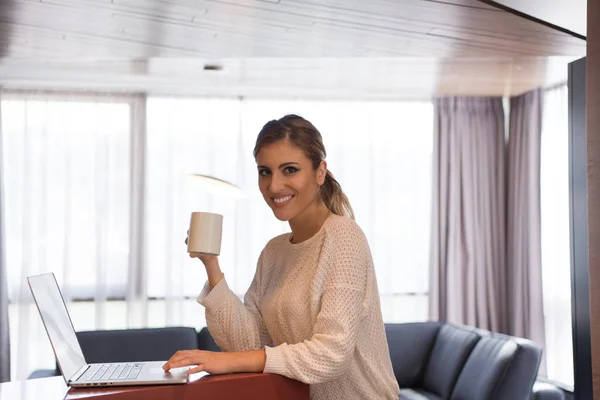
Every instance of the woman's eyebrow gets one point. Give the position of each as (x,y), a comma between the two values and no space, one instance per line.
(280,166)
(288,163)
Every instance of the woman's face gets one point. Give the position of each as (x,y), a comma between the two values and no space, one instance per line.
(287,180)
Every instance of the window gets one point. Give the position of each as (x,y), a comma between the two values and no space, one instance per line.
(556,258)
(66,168)
(380,152)
(67,193)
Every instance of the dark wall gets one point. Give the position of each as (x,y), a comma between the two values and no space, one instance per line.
(593,181)
(580,301)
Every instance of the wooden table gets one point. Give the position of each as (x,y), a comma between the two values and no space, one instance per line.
(222,387)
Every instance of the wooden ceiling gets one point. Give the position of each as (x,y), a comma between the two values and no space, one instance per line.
(374,48)
(271,28)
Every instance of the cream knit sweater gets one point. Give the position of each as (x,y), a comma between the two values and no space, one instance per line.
(314,307)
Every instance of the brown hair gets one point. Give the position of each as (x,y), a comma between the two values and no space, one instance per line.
(304,136)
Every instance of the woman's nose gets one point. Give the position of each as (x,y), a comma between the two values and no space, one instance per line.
(276,184)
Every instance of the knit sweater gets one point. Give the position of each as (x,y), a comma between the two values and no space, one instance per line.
(314,306)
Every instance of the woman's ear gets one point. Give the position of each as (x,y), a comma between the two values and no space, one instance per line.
(322,172)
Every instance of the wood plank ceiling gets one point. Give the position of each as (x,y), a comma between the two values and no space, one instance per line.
(319,48)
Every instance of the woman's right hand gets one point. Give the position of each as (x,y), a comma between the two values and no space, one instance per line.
(205,258)
(211,262)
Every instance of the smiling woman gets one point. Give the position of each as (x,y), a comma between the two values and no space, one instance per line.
(381,156)
(314,289)
(70,147)
(290,155)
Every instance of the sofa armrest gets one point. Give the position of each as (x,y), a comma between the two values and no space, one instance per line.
(546,391)
(520,377)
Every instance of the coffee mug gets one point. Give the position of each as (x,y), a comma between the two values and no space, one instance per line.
(205,233)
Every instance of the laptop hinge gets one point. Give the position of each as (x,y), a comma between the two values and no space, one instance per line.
(78,374)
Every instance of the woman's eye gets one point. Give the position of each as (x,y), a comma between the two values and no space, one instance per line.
(263,172)
(291,170)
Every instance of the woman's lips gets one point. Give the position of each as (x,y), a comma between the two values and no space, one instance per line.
(281,201)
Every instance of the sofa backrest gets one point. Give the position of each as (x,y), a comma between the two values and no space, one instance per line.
(410,346)
(206,341)
(450,352)
(499,367)
(153,344)
(447,361)
(485,368)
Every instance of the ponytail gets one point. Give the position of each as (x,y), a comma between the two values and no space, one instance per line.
(334,198)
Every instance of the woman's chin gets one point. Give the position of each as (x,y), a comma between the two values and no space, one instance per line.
(282,216)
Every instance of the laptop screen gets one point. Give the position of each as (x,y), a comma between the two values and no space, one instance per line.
(58,324)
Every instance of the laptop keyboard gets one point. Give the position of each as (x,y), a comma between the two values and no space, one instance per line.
(112,372)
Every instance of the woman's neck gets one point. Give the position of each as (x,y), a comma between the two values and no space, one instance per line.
(309,222)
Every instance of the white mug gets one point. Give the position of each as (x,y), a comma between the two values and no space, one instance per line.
(205,233)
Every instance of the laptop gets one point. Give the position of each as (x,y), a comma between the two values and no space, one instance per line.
(75,370)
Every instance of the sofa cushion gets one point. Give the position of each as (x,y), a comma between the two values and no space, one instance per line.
(450,353)
(155,344)
(486,366)
(410,346)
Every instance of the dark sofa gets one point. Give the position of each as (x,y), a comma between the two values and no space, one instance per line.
(435,361)
(431,360)
(150,344)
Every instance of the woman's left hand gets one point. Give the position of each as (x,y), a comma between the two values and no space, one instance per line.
(208,361)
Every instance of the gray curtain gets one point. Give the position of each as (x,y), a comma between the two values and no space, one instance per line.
(467,279)
(524,258)
(4,331)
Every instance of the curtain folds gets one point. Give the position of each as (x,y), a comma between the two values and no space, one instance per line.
(467,278)
(486,248)
(524,258)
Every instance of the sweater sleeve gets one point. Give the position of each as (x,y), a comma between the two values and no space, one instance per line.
(234,325)
(328,353)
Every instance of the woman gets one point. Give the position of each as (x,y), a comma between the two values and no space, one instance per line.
(312,312)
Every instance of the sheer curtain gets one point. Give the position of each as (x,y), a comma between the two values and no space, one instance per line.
(379,151)
(556,278)
(99,190)
(4,330)
(67,187)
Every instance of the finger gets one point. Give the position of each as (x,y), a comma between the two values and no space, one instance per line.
(169,364)
(182,363)
(199,368)
(178,356)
